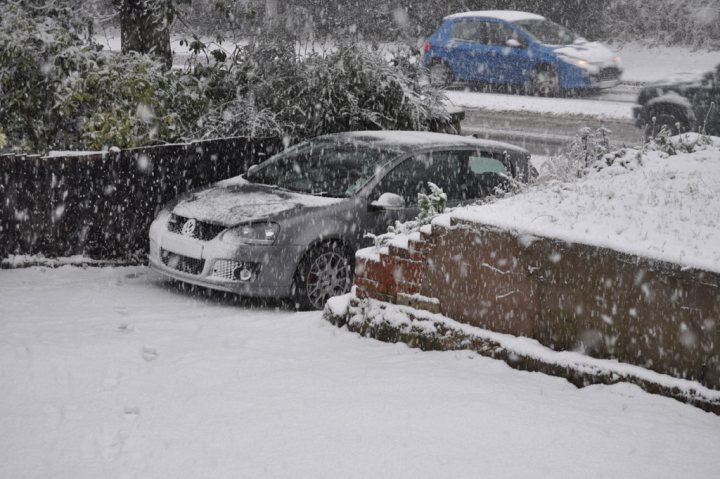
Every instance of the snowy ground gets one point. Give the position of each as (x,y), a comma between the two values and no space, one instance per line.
(106,372)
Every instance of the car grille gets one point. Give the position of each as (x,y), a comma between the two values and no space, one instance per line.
(609,73)
(203,231)
(224,269)
(227,269)
(182,263)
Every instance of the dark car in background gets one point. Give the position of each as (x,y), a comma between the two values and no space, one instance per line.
(289,228)
(687,102)
(520,49)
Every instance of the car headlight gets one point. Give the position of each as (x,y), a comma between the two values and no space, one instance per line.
(584,64)
(252,233)
(617,60)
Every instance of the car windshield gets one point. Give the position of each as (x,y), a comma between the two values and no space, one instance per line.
(323,168)
(548,33)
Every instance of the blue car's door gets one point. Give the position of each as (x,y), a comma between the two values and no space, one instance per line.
(509,60)
(466,50)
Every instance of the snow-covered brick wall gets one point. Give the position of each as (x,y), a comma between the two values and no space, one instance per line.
(646,203)
(621,262)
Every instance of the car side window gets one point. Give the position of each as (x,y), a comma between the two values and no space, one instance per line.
(406,179)
(470,31)
(447,169)
(499,34)
(488,173)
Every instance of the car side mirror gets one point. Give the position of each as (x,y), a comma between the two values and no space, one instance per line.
(511,42)
(388,201)
(252,168)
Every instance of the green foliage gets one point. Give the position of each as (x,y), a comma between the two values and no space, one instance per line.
(433,204)
(62,92)
(267,88)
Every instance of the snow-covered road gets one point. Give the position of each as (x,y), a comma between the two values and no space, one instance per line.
(105,372)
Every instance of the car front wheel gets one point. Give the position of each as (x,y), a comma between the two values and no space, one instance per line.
(544,81)
(324,272)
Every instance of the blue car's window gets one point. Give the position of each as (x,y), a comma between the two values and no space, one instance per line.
(499,34)
(486,33)
(547,32)
(470,31)
(323,168)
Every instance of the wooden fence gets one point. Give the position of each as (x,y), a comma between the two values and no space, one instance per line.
(101,204)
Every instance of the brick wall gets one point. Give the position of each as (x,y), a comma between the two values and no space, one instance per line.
(567,296)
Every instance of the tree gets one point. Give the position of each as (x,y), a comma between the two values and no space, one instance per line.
(145,26)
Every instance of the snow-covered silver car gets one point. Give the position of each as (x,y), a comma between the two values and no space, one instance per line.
(289,227)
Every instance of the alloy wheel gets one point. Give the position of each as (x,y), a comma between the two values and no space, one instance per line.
(545,82)
(329,275)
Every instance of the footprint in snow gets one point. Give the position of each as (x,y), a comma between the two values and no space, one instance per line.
(149,354)
(125,328)
(131,412)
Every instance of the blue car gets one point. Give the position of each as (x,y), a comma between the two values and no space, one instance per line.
(519,49)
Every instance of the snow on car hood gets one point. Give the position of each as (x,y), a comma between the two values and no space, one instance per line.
(592,52)
(245,202)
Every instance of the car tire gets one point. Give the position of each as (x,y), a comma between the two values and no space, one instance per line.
(544,81)
(325,271)
(440,74)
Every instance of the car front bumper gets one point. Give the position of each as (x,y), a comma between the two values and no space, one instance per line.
(212,264)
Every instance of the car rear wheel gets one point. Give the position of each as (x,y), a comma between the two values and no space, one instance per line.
(324,272)
(440,74)
(544,81)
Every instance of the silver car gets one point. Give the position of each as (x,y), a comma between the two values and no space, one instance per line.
(289,227)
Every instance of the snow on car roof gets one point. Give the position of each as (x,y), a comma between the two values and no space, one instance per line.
(421,138)
(507,15)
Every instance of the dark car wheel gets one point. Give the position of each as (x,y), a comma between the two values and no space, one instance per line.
(544,81)
(324,272)
(440,74)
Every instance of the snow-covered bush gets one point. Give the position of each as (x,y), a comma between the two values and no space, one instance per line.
(62,92)
(266,88)
(586,148)
(671,144)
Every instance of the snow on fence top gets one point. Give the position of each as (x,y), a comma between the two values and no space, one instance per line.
(646,203)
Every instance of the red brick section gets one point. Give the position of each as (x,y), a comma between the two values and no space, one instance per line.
(400,270)
(567,296)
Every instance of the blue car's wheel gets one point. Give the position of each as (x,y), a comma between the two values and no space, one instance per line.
(440,74)
(544,81)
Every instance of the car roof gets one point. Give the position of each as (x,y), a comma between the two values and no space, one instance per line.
(507,15)
(413,140)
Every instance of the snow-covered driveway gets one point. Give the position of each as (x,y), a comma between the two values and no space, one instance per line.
(105,372)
